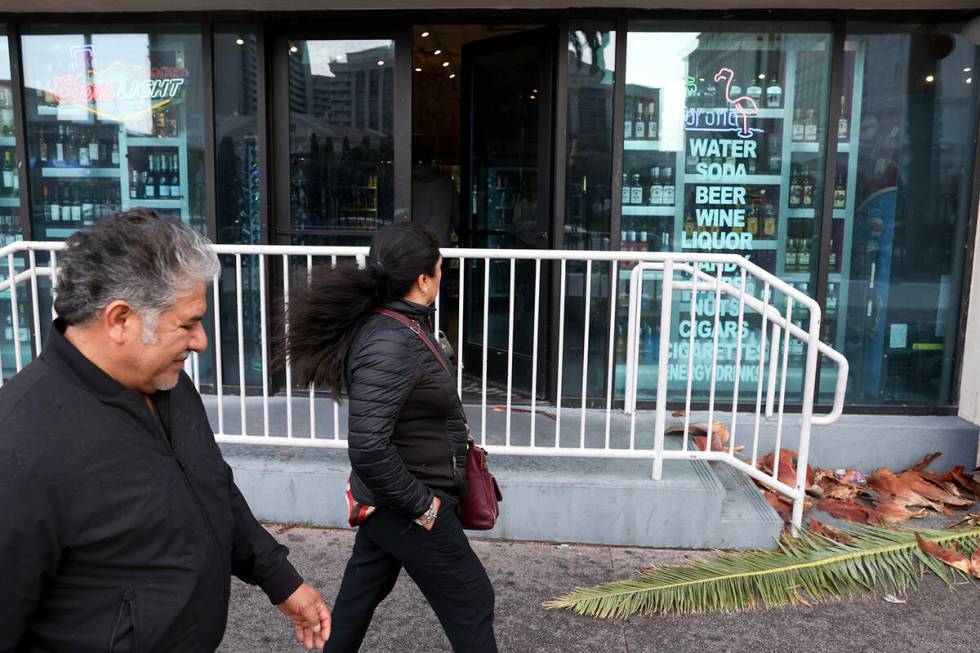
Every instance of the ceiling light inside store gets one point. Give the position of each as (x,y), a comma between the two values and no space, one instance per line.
(437,51)
(424,34)
(452,76)
(969,80)
(930,78)
(381,62)
(418,69)
(293,49)
(762,75)
(967,69)
(240,41)
(445,64)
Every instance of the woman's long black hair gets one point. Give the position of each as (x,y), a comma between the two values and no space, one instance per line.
(324,318)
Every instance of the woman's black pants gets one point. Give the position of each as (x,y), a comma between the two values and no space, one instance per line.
(440,562)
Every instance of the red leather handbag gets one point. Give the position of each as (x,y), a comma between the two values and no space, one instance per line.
(480,509)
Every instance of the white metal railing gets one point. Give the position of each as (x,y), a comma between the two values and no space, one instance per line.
(671,289)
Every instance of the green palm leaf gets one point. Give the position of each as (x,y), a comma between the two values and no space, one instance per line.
(810,567)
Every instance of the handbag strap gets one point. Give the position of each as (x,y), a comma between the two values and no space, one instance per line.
(416,329)
(414,326)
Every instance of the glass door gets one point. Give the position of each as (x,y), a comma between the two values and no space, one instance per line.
(507,123)
(335,140)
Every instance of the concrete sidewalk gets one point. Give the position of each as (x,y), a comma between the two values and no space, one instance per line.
(526,574)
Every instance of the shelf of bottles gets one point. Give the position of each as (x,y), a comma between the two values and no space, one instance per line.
(86,164)
(700,182)
(337,197)
(10,229)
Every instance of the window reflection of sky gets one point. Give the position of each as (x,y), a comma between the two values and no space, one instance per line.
(670,51)
(323,53)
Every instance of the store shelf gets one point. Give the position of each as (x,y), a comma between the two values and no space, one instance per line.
(7,141)
(158,203)
(10,202)
(801,213)
(805,147)
(55,232)
(643,145)
(757,180)
(152,141)
(633,209)
(80,173)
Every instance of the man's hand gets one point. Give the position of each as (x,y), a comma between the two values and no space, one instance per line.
(310,616)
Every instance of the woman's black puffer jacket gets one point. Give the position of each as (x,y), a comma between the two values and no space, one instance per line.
(407,435)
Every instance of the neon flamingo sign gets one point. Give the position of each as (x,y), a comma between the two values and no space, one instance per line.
(733,118)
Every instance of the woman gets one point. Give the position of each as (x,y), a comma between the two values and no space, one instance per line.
(406,436)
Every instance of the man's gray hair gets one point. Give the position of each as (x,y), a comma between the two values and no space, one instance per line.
(137,257)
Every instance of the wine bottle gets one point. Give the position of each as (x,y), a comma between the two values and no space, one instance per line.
(59,148)
(799,131)
(807,189)
(810,127)
(628,127)
(83,151)
(164,176)
(134,184)
(175,177)
(840,193)
(795,188)
(150,181)
(653,128)
(115,153)
(8,173)
(843,124)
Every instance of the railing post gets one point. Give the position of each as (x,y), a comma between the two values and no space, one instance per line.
(661,423)
(809,384)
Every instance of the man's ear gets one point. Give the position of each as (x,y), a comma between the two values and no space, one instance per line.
(121,322)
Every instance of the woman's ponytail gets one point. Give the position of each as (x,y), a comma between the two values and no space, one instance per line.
(321,321)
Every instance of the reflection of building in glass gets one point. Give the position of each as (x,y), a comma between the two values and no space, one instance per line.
(358,94)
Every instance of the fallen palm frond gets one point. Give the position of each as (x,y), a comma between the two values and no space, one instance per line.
(809,568)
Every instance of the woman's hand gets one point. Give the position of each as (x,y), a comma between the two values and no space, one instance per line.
(434,511)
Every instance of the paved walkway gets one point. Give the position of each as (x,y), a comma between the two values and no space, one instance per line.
(526,574)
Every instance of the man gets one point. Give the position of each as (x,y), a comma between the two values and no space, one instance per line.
(120,523)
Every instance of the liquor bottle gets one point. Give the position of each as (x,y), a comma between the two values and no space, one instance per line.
(807,189)
(668,183)
(55,210)
(627,191)
(59,148)
(754,91)
(88,206)
(689,225)
(656,196)
(752,222)
(843,125)
(774,146)
(643,245)
(832,258)
(628,127)
(93,149)
(636,190)
(6,112)
(115,153)
(831,299)
(810,127)
(840,193)
(804,255)
(774,95)
(150,181)
(71,147)
(134,185)
(653,129)
(769,221)
(710,95)
(65,204)
(42,148)
(8,173)
(45,205)
(795,189)
(640,124)
(799,131)
(76,208)
(83,151)
(163,166)
(175,177)
(790,263)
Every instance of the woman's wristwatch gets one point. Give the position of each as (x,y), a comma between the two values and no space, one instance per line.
(429,516)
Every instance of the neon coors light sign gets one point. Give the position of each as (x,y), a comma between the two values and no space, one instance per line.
(119,91)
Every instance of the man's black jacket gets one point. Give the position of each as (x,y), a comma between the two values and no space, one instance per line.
(119,529)
(406,431)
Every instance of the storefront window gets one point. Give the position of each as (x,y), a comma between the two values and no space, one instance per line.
(341,144)
(114,122)
(724,151)
(906,156)
(588,188)
(10,229)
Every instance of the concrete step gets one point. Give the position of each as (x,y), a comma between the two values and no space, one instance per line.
(555,499)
